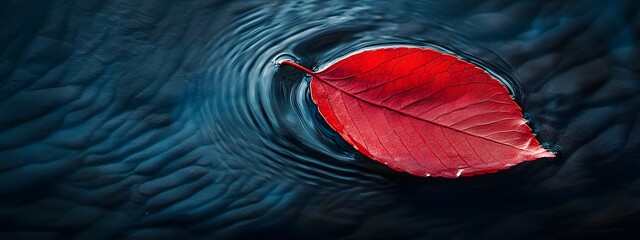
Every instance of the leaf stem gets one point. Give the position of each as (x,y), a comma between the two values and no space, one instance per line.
(298,66)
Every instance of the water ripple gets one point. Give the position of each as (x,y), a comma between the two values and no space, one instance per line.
(247,96)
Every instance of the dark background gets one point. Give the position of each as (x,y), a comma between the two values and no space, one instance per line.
(171,119)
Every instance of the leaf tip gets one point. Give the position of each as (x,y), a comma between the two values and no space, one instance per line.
(548,153)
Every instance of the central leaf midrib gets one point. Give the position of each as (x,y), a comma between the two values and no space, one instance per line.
(418,118)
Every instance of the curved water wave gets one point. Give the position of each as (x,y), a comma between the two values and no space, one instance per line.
(172,119)
(247,95)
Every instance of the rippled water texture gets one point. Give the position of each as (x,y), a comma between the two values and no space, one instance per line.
(164,120)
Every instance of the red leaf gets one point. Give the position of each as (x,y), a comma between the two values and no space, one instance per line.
(423,112)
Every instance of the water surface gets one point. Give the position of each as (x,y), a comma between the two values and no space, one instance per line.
(147,119)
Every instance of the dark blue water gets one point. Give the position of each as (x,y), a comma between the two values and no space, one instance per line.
(172,119)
